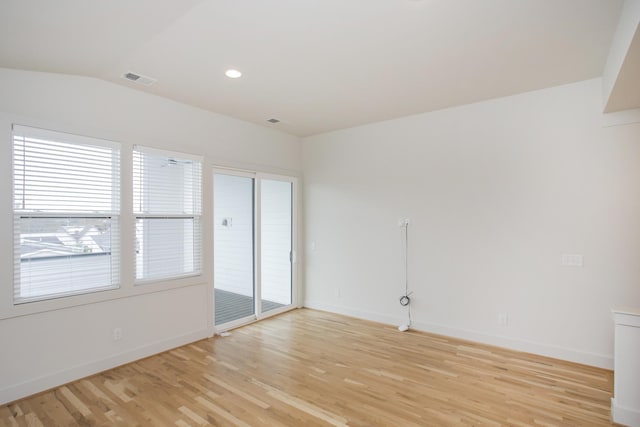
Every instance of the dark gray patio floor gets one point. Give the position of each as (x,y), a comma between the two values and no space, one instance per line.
(231,306)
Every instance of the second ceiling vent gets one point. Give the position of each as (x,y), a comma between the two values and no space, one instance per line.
(139,78)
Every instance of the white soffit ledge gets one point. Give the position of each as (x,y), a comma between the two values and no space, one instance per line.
(619,118)
(621,78)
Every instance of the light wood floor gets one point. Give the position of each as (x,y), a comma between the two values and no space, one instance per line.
(310,368)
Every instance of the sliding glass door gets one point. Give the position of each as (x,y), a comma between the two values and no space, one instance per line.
(253,242)
(276,249)
(234,248)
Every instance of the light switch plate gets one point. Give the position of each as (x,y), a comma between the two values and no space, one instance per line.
(572,260)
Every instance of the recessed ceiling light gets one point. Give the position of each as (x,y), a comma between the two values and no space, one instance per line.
(233,74)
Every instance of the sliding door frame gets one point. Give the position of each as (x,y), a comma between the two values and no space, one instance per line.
(257,245)
(294,238)
(252,317)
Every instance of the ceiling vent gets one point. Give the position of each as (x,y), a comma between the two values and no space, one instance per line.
(139,79)
(272,120)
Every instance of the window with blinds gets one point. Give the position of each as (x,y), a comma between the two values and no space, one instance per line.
(167,203)
(66,206)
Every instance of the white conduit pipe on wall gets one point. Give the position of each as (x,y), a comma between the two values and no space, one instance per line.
(405,299)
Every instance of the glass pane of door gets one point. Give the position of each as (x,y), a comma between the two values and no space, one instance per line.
(276,243)
(233,248)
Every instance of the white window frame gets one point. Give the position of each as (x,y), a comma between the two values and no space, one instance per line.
(126,238)
(197,217)
(114,215)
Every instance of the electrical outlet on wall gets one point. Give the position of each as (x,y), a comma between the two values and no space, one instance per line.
(503,319)
(403,222)
(572,260)
(117,334)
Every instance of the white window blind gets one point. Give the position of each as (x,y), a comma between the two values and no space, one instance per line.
(167,203)
(66,205)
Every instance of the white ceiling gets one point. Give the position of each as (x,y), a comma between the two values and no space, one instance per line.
(317,65)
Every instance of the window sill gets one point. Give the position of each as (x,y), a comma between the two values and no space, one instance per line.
(9,310)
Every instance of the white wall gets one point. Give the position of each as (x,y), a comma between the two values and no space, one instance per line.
(496,192)
(41,350)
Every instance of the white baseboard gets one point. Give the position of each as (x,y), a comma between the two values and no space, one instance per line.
(374,317)
(625,416)
(591,359)
(36,385)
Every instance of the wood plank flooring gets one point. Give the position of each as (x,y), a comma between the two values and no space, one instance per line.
(310,368)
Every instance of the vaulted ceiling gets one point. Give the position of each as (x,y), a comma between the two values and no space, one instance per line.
(316,65)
